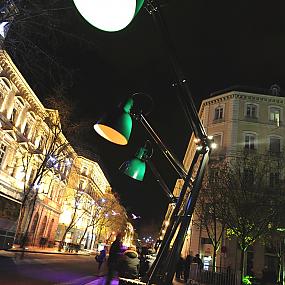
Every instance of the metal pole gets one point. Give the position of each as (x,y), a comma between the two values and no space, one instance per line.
(173,225)
(178,166)
(186,219)
(160,180)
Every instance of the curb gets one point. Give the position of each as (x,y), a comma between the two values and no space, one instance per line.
(46,252)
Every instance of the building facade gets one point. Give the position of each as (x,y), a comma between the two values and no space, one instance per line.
(238,121)
(44,183)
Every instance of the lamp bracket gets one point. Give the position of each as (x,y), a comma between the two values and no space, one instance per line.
(151,7)
(143,104)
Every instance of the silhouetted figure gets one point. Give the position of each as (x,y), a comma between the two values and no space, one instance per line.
(101,258)
(188,261)
(179,268)
(198,260)
(130,262)
(113,259)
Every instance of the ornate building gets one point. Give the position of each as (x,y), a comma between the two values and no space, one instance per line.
(44,184)
(239,121)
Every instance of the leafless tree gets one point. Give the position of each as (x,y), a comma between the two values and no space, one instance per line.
(208,210)
(48,153)
(251,195)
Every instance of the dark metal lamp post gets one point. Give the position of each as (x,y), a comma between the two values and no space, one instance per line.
(163,268)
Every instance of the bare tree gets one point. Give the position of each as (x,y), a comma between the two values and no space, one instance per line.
(48,153)
(250,204)
(208,210)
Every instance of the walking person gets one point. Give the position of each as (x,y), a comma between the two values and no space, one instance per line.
(179,268)
(100,259)
(113,259)
(199,262)
(188,261)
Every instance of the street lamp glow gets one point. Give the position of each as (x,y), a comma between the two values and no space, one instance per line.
(108,15)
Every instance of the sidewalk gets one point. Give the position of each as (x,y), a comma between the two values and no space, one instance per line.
(47,250)
(101,281)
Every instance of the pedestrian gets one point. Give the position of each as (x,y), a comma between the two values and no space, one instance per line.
(129,265)
(188,261)
(179,268)
(199,262)
(100,258)
(113,259)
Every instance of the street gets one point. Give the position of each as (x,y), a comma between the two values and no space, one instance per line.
(38,268)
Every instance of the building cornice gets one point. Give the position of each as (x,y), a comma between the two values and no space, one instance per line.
(242,95)
(18,80)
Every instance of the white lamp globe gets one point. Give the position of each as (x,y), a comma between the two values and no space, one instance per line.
(108,15)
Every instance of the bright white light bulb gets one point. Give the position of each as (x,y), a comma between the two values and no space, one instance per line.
(214,145)
(107,15)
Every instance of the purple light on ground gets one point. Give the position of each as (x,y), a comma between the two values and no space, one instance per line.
(48,275)
(102,281)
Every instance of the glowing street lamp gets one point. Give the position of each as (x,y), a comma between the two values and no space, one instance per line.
(116,127)
(108,15)
(135,168)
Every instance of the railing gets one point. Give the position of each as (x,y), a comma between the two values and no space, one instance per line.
(223,276)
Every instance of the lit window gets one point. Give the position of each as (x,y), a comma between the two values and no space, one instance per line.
(251,111)
(219,113)
(250,141)
(274,144)
(2,152)
(275,115)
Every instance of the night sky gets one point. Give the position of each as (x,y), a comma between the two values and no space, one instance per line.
(219,44)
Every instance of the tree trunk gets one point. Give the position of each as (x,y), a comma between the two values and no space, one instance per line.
(214,258)
(25,238)
(243,262)
(85,231)
(60,246)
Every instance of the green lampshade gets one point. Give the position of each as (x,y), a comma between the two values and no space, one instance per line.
(135,168)
(116,127)
(108,15)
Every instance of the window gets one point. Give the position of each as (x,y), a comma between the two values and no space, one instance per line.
(274,179)
(2,152)
(251,111)
(250,141)
(274,144)
(84,170)
(14,116)
(42,142)
(275,115)
(26,130)
(219,113)
(81,184)
(206,240)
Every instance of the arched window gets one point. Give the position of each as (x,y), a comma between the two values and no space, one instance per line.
(35,222)
(43,226)
(50,228)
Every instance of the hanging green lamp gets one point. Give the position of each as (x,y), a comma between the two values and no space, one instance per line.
(135,168)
